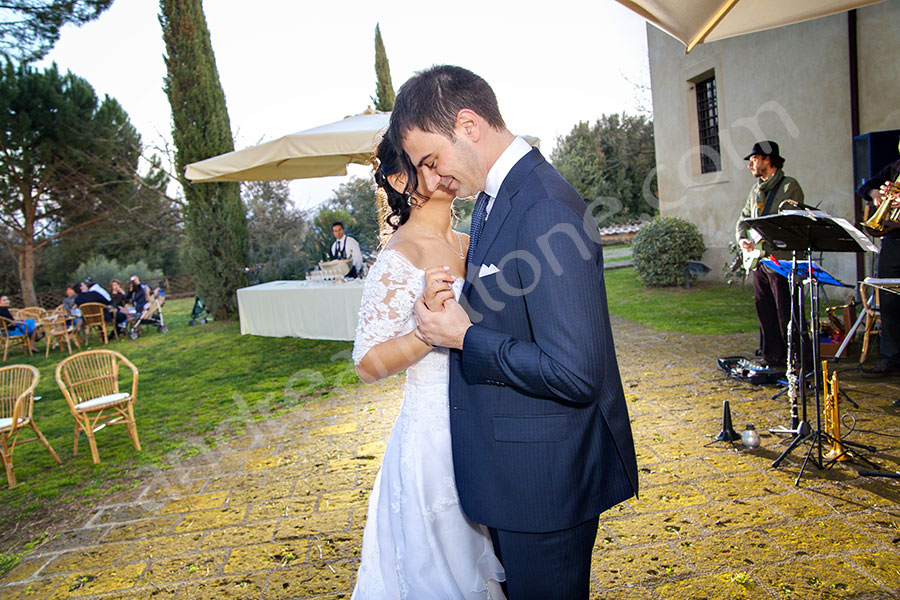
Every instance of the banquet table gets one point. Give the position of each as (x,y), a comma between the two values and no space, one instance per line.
(306,309)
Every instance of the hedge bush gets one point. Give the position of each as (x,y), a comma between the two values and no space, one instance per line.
(662,249)
(102,270)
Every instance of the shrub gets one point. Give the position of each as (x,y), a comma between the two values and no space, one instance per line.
(662,249)
(103,269)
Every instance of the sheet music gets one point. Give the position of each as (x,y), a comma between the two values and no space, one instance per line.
(855,233)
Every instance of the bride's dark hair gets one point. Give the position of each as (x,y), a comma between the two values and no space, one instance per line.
(392,160)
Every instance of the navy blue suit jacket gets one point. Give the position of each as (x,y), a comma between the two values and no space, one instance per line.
(541,435)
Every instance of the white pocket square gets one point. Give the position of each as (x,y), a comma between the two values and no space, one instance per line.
(486,270)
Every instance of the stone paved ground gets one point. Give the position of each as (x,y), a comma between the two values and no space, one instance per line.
(278,513)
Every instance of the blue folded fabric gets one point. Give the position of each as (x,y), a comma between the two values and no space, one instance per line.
(783,268)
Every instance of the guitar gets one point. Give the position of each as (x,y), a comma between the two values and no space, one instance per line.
(750,258)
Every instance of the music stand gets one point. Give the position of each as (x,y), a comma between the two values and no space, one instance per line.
(807,231)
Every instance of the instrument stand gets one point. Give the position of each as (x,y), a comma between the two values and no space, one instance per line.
(727,434)
(806,231)
(849,453)
(795,379)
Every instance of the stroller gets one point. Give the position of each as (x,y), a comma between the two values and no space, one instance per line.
(199,314)
(151,315)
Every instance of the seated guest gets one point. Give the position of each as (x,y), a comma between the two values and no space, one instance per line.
(69,301)
(138,294)
(117,295)
(84,296)
(96,287)
(16,328)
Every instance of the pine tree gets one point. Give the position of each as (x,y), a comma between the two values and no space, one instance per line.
(215,221)
(384,89)
(68,161)
(30,28)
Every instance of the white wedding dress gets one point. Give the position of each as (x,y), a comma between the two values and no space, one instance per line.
(417,542)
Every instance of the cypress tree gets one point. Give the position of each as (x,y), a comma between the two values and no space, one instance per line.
(215,221)
(384,89)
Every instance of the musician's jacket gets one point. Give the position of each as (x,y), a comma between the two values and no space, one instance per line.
(764,199)
(888,174)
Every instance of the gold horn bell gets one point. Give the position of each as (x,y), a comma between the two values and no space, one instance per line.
(884,212)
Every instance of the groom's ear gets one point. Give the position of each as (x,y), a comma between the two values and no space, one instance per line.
(469,124)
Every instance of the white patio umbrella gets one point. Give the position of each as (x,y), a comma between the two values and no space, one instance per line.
(318,152)
(697,21)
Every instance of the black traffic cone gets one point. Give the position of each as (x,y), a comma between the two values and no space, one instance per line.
(728,434)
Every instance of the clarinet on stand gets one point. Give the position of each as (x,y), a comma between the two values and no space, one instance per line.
(795,376)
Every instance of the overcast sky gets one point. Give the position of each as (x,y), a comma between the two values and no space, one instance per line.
(289,65)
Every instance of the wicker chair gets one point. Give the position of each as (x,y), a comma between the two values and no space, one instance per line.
(59,326)
(8,340)
(90,382)
(17,383)
(94,317)
(31,312)
(872,306)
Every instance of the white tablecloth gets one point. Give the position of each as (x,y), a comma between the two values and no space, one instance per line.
(306,309)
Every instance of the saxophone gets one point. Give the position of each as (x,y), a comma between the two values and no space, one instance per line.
(877,224)
(832,416)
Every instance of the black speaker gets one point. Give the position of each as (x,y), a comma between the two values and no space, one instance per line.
(871,152)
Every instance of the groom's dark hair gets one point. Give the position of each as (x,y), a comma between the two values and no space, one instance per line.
(431,99)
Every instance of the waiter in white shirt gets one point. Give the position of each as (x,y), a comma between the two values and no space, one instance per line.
(345,246)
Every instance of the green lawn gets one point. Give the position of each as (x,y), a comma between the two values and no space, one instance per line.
(192,380)
(705,307)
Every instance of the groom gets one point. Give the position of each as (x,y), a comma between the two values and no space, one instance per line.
(542,442)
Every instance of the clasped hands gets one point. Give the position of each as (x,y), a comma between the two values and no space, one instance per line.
(441,319)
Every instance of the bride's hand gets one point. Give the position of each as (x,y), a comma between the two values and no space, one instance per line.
(438,288)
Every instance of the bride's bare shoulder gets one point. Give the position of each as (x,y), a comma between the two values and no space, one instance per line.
(406,245)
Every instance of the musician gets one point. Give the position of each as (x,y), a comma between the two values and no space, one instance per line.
(877,190)
(345,246)
(771,293)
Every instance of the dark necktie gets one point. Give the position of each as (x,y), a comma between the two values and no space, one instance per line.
(479,214)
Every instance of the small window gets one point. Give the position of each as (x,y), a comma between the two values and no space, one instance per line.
(708,123)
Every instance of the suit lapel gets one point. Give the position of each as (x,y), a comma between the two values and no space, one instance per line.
(501,208)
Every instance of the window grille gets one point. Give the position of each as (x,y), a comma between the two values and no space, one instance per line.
(708,123)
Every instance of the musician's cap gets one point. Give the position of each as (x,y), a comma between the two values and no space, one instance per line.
(766,148)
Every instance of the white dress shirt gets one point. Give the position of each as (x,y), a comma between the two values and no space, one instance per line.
(501,168)
(351,250)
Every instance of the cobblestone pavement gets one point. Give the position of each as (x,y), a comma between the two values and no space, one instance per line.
(278,513)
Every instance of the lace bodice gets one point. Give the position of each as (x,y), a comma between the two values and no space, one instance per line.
(392,287)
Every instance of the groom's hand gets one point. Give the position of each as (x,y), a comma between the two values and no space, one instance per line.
(438,290)
(445,327)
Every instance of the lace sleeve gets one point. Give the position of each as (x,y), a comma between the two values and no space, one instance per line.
(386,311)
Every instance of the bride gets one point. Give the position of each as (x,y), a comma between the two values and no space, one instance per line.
(417,542)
